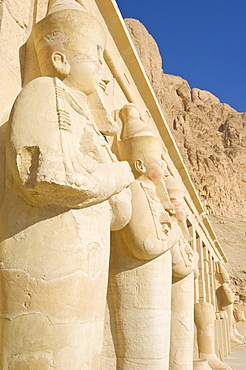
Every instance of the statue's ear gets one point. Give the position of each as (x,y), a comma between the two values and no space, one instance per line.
(139,166)
(60,63)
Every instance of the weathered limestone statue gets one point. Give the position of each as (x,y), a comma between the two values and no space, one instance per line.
(205,320)
(239,324)
(184,261)
(201,365)
(55,214)
(140,266)
(225,298)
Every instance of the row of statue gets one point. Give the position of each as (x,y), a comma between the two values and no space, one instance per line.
(65,191)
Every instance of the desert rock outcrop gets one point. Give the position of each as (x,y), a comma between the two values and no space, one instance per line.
(211,138)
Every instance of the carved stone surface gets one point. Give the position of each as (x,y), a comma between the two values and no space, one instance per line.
(225,298)
(211,138)
(210,134)
(140,257)
(55,213)
(204,320)
(63,190)
(184,262)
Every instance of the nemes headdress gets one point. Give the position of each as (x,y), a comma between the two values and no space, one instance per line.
(137,139)
(67,28)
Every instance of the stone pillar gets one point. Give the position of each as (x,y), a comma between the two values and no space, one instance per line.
(206,274)
(201,278)
(212,279)
(218,336)
(225,298)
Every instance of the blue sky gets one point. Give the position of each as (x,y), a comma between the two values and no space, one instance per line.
(202,41)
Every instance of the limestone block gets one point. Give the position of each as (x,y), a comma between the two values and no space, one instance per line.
(10,90)
(9,26)
(10,60)
(20,11)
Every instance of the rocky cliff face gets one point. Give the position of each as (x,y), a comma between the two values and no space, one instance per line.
(211,137)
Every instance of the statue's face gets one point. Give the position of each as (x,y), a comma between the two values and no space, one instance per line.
(177,201)
(85,72)
(156,169)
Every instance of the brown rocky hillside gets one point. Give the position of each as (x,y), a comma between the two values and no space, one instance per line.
(211,137)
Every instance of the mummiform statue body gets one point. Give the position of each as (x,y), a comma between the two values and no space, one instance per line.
(184,270)
(56,211)
(140,265)
(206,339)
(205,321)
(225,298)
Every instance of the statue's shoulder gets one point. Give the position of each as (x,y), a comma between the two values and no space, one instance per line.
(37,99)
(40,89)
(34,114)
(41,81)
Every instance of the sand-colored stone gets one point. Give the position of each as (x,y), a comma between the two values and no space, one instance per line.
(55,211)
(239,325)
(63,189)
(184,264)
(140,257)
(209,134)
(225,298)
(201,365)
(211,138)
(205,320)
(231,233)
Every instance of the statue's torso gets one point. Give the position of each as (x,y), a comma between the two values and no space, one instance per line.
(54,259)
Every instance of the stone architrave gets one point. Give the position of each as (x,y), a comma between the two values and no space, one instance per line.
(184,262)
(140,267)
(62,183)
(225,297)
